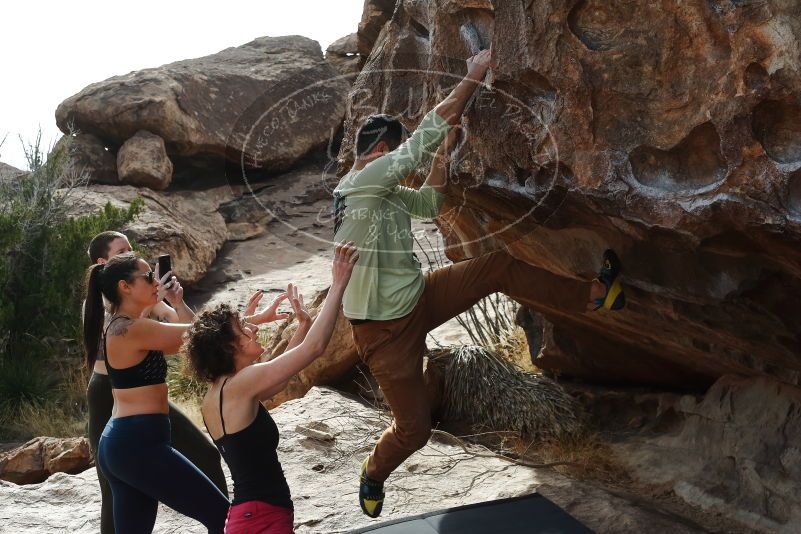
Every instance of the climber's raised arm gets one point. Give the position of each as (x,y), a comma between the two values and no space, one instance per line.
(452,107)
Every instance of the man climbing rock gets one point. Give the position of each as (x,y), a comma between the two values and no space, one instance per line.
(391,304)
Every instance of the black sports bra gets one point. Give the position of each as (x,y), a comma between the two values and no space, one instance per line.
(151,370)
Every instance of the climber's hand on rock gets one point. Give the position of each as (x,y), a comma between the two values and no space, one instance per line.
(478,65)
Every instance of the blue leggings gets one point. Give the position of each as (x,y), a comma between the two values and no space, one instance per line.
(142,468)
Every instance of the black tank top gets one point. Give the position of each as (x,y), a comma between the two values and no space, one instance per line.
(151,370)
(253,460)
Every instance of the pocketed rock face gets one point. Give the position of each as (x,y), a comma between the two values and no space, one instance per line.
(185,225)
(666,131)
(264,104)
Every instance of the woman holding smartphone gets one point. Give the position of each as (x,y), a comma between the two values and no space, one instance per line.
(223,350)
(186,438)
(134,452)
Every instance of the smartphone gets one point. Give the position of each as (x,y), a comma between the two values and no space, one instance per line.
(165,266)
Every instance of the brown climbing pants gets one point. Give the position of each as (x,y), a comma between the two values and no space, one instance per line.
(394,349)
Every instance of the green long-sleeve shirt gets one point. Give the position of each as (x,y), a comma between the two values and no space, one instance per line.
(375,212)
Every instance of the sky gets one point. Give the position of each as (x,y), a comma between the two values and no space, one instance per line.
(50,50)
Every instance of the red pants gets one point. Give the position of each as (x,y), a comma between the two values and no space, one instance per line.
(257,517)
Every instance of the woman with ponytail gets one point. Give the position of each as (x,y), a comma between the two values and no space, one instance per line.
(186,437)
(134,452)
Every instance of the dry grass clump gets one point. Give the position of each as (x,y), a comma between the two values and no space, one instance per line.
(512,345)
(53,400)
(586,455)
(53,418)
(493,394)
(182,382)
(519,415)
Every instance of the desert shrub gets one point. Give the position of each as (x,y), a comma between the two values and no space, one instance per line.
(42,263)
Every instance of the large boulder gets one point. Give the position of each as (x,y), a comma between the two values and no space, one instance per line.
(344,55)
(669,132)
(736,451)
(41,457)
(8,173)
(85,154)
(264,104)
(185,225)
(339,358)
(142,161)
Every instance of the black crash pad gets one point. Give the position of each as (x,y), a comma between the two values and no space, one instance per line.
(530,514)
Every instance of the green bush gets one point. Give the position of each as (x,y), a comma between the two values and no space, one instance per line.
(42,263)
(22,383)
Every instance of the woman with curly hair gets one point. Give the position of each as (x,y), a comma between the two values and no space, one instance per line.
(223,350)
